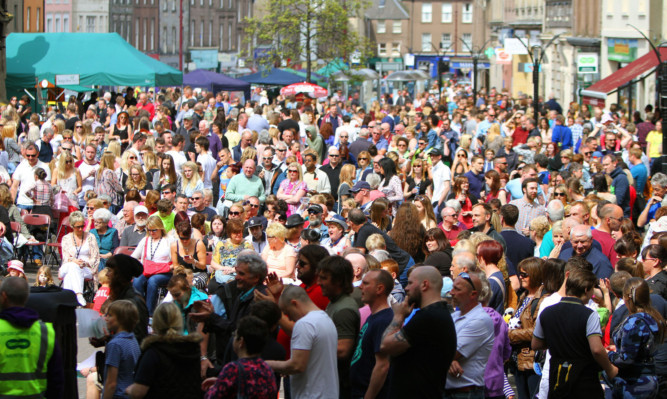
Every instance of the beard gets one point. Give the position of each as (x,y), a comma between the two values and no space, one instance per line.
(415,298)
(141,223)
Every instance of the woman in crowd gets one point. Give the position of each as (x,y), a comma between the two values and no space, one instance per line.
(380,214)
(150,201)
(166,174)
(176,356)
(107,183)
(217,233)
(418,182)
(280,258)
(11,146)
(337,242)
(91,206)
(390,185)
(426,214)
(538,228)
(191,180)
(122,130)
(461,194)
(107,237)
(653,258)
(601,188)
(561,193)
(494,189)
(636,342)
(66,177)
(522,324)
(225,253)
(81,257)
(364,166)
(190,254)
(574,189)
(346,183)
(438,251)
(293,188)
(155,254)
(138,181)
(489,255)
(407,231)
(128,159)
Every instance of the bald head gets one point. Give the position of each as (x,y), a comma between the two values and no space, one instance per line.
(568,224)
(430,274)
(359,264)
(14,291)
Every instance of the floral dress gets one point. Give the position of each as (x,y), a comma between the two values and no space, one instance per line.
(291,188)
(225,254)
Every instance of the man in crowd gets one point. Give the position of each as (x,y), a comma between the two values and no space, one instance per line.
(450,223)
(199,206)
(135,231)
(422,348)
(245,185)
(528,206)
(269,171)
(481,220)
(476,176)
(620,183)
(610,217)
(316,180)
(335,278)
(474,339)
(257,236)
(332,170)
(370,366)
(582,245)
(23,178)
(521,247)
(442,177)
(312,364)
(361,191)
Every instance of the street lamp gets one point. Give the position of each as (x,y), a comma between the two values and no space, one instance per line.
(476,56)
(536,53)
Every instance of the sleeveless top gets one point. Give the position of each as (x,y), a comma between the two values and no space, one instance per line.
(182,261)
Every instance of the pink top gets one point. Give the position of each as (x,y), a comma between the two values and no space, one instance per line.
(277,260)
(291,188)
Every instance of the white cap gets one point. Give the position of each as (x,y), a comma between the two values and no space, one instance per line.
(140,209)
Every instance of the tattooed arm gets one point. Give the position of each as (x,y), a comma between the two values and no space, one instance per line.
(394,341)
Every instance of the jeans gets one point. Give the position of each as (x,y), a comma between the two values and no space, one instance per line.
(477,393)
(527,384)
(148,288)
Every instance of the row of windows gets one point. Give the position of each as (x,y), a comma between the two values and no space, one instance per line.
(57,23)
(446,13)
(204,37)
(28,22)
(445,42)
(395,50)
(396,26)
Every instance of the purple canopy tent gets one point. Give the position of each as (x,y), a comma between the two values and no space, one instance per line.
(215,82)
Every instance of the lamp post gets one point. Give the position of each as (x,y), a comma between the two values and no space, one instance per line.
(536,53)
(476,56)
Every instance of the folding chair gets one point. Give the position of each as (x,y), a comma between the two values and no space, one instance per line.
(37,220)
(16,229)
(124,250)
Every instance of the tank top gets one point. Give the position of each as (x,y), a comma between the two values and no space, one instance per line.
(180,259)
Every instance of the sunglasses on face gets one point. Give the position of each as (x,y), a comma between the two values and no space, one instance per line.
(523,274)
(152,230)
(467,278)
(281,150)
(559,194)
(294,171)
(234,213)
(196,198)
(363,159)
(30,155)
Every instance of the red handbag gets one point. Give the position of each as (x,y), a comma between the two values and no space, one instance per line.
(152,268)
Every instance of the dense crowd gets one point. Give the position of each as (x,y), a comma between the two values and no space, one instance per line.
(424,247)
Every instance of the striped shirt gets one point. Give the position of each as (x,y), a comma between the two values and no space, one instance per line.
(527,212)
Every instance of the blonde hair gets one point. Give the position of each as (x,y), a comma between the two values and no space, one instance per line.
(375,241)
(196,178)
(298,167)
(540,225)
(130,184)
(124,161)
(150,161)
(9,130)
(46,270)
(103,276)
(347,174)
(167,320)
(248,153)
(276,230)
(62,164)
(466,140)
(106,162)
(154,222)
(114,148)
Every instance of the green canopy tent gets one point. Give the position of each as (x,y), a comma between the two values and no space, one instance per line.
(103,59)
(333,67)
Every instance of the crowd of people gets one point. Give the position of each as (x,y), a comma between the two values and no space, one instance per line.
(423,247)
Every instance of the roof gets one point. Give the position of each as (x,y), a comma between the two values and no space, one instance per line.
(45,55)
(386,9)
(215,82)
(275,77)
(599,90)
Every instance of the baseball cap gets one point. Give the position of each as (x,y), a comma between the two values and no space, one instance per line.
(435,152)
(360,185)
(316,208)
(254,222)
(140,209)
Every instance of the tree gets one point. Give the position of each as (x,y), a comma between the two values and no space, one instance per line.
(307,30)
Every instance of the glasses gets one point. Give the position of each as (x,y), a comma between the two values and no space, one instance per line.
(166,192)
(647,259)
(559,194)
(293,171)
(363,159)
(587,153)
(344,137)
(196,198)
(422,143)
(281,149)
(79,127)
(152,230)
(467,278)
(401,145)
(131,157)
(461,156)
(523,275)
(135,175)
(30,155)
(67,138)
(78,227)
(68,162)
(313,212)
(334,156)
(234,213)
(183,237)
(254,205)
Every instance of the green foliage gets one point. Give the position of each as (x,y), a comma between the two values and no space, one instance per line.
(307,30)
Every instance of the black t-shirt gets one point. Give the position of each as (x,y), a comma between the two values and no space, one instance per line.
(421,372)
(423,186)
(69,123)
(363,360)
(396,253)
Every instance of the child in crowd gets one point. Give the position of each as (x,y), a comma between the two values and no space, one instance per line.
(44,277)
(122,352)
(397,293)
(15,269)
(102,293)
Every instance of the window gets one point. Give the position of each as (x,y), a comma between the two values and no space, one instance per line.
(56,24)
(467,39)
(382,49)
(174,40)
(201,3)
(65,23)
(446,12)
(164,5)
(382,28)
(201,33)
(136,33)
(446,41)
(192,33)
(229,35)
(466,15)
(397,27)
(164,41)
(173,5)
(210,3)
(153,34)
(396,49)
(427,13)
(210,33)
(426,42)
(143,40)
(222,31)
(49,25)
(37,19)
(90,24)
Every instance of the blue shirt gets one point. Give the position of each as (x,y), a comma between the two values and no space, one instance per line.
(476,183)
(123,353)
(562,134)
(390,120)
(640,174)
(381,145)
(108,242)
(601,264)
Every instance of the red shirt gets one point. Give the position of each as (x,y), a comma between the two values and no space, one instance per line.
(100,297)
(315,294)
(607,243)
(452,234)
(520,136)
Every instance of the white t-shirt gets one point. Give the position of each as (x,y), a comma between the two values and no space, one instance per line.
(316,333)
(208,164)
(441,173)
(179,159)
(26,175)
(87,183)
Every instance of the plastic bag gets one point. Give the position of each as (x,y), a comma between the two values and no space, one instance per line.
(61,202)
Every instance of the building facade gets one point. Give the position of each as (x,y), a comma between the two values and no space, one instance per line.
(33,16)
(145,32)
(120,18)
(90,16)
(58,16)
(387,23)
